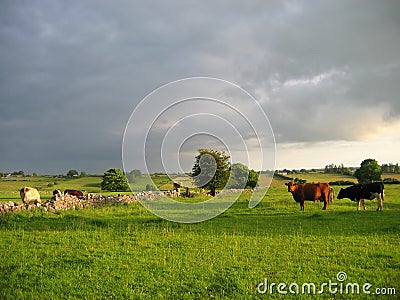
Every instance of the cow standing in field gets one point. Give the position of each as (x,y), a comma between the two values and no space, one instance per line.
(30,195)
(310,191)
(57,194)
(359,192)
(75,193)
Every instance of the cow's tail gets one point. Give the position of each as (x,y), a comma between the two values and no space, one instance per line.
(331,194)
(383,192)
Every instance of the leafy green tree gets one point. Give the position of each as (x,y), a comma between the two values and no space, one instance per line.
(114,180)
(369,171)
(390,168)
(211,169)
(19,173)
(34,174)
(132,175)
(1,174)
(72,173)
(137,173)
(150,187)
(83,174)
(253,179)
(239,176)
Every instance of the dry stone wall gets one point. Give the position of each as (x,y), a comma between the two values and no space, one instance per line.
(71,202)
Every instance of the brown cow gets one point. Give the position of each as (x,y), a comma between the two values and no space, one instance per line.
(75,193)
(310,191)
(30,195)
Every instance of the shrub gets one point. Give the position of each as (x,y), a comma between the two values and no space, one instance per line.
(391,181)
(342,182)
(150,187)
(114,181)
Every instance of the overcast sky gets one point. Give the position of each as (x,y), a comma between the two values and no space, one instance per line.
(327,74)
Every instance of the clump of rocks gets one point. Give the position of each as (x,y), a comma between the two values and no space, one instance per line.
(12,206)
(67,202)
(228,191)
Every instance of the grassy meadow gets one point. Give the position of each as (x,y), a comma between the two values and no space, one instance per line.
(125,252)
(9,187)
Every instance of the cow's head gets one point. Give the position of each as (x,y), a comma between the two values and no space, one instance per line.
(57,193)
(291,186)
(341,194)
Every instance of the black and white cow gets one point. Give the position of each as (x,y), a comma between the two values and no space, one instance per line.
(359,192)
(57,194)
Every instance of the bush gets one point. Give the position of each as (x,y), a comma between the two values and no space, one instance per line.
(301,181)
(342,182)
(283,176)
(391,181)
(114,181)
(150,187)
(72,173)
(239,176)
(253,179)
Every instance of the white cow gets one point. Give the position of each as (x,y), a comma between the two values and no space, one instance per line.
(30,195)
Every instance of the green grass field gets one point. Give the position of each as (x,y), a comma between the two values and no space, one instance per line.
(125,252)
(9,187)
(321,177)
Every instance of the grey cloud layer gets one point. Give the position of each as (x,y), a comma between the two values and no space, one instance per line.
(71,72)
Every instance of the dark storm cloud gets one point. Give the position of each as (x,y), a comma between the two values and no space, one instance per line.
(72,72)
(328,68)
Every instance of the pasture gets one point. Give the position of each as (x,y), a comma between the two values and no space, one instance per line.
(321,177)
(125,252)
(9,187)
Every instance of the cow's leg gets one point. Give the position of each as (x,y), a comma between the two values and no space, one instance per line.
(325,199)
(363,203)
(302,205)
(380,202)
(358,205)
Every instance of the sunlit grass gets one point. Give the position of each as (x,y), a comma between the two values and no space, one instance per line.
(125,252)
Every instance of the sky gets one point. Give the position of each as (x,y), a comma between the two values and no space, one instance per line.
(326,74)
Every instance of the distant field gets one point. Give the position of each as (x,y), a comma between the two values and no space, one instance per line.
(395,176)
(322,177)
(9,187)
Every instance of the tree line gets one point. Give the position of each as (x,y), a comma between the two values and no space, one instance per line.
(340,169)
